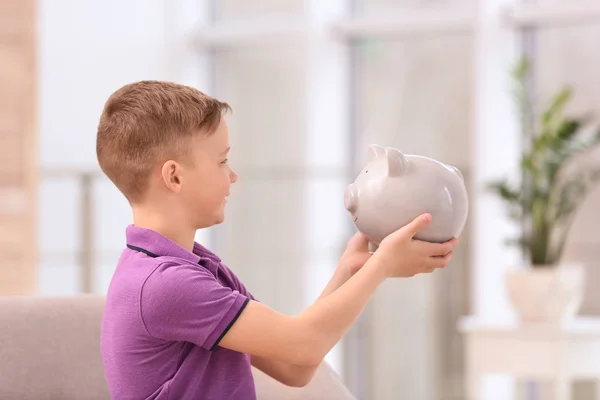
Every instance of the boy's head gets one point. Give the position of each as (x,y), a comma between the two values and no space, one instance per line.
(166,144)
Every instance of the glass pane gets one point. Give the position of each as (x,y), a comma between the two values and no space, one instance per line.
(58,216)
(112,214)
(266,237)
(284,248)
(263,240)
(266,89)
(59,279)
(571,57)
(70,100)
(241,9)
(58,233)
(275,236)
(399,311)
(417,97)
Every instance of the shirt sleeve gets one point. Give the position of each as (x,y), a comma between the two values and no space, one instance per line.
(186,303)
(236,281)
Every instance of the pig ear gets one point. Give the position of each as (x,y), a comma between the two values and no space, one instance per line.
(375,151)
(396,162)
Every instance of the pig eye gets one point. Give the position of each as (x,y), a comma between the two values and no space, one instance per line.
(367,171)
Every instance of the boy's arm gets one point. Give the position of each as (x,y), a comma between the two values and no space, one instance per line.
(300,375)
(304,339)
(286,373)
(341,275)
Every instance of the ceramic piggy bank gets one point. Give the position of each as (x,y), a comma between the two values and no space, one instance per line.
(394,188)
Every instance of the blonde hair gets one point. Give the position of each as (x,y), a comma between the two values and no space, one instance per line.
(147,122)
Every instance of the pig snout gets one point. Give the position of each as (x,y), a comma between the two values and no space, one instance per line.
(350,198)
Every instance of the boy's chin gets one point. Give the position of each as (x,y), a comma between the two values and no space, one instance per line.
(208,221)
(219,217)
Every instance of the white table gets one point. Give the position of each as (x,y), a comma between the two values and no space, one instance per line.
(537,352)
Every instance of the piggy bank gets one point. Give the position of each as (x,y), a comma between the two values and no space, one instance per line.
(394,188)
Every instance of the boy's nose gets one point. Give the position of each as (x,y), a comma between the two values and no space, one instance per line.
(233,176)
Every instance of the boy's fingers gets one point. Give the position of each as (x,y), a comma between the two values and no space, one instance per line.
(436,249)
(417,224)
(440,261)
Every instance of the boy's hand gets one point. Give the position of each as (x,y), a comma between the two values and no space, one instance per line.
(402,256)
(353,259)
(356,253)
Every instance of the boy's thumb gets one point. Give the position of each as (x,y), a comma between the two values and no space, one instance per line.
(418,224)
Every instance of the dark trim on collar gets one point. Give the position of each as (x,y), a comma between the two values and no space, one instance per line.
(146,252)
(149,253)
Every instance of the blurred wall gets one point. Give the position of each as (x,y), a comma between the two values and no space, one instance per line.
(18,157)
(86,51)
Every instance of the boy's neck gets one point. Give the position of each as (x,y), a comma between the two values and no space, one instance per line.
(167,225)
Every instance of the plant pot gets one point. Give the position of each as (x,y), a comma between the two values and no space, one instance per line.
(547,295)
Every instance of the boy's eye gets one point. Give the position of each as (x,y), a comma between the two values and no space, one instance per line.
(224,161)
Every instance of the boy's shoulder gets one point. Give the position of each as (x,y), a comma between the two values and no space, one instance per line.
(166,298)
(177,295)
(161,266)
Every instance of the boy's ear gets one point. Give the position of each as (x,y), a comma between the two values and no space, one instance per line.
(171,175)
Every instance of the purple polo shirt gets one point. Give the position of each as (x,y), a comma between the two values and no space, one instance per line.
(166,311)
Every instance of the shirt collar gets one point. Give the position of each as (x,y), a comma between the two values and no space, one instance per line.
(156,245)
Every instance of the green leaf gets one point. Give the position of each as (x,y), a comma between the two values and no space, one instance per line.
(505,191)
(575,148)
(567,129)
(570,197)
(527,163)
(547,197)
(556,106)
(520,69)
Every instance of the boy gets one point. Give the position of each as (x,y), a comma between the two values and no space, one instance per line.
(178,323)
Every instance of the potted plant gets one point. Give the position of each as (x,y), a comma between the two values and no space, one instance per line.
(556,175)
